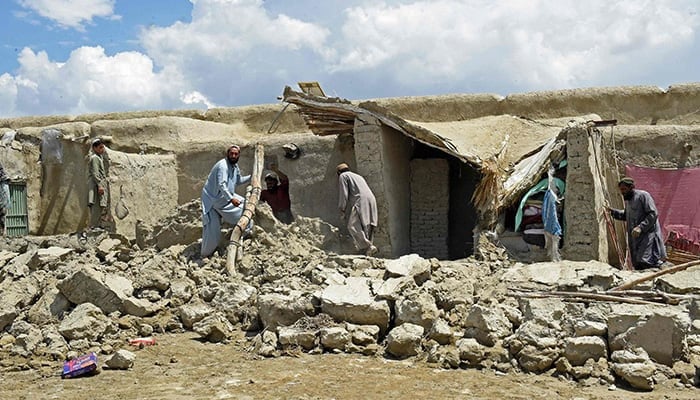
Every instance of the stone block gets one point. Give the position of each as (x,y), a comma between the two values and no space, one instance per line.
(122,359)
(283,310)
(213,328)
(487,324)
(293,337)
(580,349)
(681,282)
(441,332)
(88,285)
(363,335)
(404,340)
(533,359)
(355,303)
(334,338)
(193,312)
(661,332)
(417,309)
(411,265)
(471,351)
(86,321)
(49,308)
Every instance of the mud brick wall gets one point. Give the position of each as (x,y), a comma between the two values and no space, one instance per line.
(585,236)
(370,162)
(430,200)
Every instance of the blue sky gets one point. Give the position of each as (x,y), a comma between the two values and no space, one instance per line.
(24,27)
(81,56)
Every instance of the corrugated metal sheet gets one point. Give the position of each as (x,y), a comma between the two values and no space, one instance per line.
(17,220)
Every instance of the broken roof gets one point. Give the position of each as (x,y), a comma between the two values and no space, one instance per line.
(522,147)
(485,137)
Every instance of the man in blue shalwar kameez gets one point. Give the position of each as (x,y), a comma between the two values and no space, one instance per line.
(219,200)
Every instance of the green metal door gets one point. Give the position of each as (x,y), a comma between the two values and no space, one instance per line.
(16,220)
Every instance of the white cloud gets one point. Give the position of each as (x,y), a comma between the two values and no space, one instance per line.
(91,81)
(541,43)
(233,49)
(8,92)
(71,13)
(236,52)
(197,99)
(228,31)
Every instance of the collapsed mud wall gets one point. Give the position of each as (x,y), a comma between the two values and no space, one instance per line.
(67,295)
(192,141)
(158,163)
(19,159)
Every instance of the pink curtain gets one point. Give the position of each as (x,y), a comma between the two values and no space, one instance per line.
(676,193)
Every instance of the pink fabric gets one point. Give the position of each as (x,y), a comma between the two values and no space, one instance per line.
(676,193)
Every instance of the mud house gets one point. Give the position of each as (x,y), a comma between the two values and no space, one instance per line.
(442,167)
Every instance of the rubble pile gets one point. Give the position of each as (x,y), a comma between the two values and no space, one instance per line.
(66,295)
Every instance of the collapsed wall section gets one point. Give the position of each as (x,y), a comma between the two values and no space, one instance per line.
(313,182)
(146,184)
(19,159)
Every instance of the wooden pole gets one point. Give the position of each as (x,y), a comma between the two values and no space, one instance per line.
(235,247)
(649,277)
(584,296)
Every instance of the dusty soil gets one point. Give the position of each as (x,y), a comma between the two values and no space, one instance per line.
(182,367)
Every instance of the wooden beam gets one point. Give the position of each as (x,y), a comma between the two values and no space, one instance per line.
(649,277)
(583,296)
(235,246)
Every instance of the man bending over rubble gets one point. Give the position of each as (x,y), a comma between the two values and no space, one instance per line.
(358,205)
(644,231)
(219,199)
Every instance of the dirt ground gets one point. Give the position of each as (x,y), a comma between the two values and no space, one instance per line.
(182,367)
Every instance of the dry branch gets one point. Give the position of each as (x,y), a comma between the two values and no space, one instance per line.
(649,277)
(235,246)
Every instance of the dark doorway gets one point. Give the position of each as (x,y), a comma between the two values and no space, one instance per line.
(462,181)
